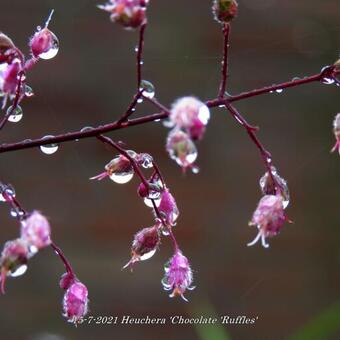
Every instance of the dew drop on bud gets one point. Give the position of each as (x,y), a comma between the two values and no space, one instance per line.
(147,88)
(49,149)
(28,91)
(15,114)
(19,271)
(121,178)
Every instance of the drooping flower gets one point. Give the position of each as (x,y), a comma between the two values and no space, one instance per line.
(168,208)
(190,114)
(269,218)
(178,275)
(336,131)
(130,14)
(13,260)
(75,302)
(36,231)
(144,245)
(119,169)
(225,10)
(274,184)
(181,148)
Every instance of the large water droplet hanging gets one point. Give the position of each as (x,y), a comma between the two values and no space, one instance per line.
(16,114)
(147,88)
(53,45)
(49,149)
(19,271)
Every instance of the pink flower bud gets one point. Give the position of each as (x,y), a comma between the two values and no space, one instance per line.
(181,148)
(13,260)
(168,208)
(225,10)
(119,169)
(128,13)
(336,130)
(178,275)
(9,77)
(66,280)
(144,245)
(75,302)
(190,114)
(269,218)
(36,231)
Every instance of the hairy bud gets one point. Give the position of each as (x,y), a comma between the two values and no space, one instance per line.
(225,10)
(144,245)
(336,131)
(269,218)
(130,14)
(75,302)
(178,275)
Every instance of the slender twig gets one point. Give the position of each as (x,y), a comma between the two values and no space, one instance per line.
(62,257)
(131,107)
(224,69)
(140,55)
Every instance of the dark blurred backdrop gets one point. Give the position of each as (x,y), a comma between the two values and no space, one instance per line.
(91,81)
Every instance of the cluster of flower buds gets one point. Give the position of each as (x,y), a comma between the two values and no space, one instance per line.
(188,118)
(35,235)
(269,215)
(130,14)
(178,275)
(336,131)
(225,10)
(75,301)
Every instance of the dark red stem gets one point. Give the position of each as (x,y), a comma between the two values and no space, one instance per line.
(140,55)
(224,70)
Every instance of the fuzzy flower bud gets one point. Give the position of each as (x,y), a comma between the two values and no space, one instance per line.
(9,77)
(119,169)
(144,245)
(13,260)
(269,218)
(168,208)
(36,231)
(178,275)
(336,130)
(130,14)
(190,114)
(75,302)
(181,148)
(225,10)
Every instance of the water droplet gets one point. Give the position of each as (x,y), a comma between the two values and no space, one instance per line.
(8,189)
(52,47)
(141,62)
(121,178)
(16,114)
(49,149)
(296,78)
(38,28)
(204,114)
(28,91)
(327,81)
(32,250)
(86,128)
(279,90)
(148,255)
(221,106)
(136,49)
(195,169)
(140,100)
(148,201)
(145,160)
(19,271)
(268,187)
(148,89)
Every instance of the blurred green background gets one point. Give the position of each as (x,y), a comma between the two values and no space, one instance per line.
(293,286)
